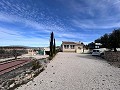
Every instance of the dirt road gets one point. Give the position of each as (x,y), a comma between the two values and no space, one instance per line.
(71,71)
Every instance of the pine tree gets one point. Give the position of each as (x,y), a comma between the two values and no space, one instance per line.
(115,39)
(111,41)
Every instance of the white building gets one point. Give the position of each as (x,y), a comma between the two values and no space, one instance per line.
(72,47)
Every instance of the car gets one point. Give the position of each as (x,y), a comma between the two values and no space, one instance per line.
(96,52)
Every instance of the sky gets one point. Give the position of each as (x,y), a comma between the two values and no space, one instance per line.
(30,22)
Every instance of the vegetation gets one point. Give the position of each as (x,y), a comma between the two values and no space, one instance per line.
(52,46)
(2,51)
(11,53)
(91,45)
(36,65)
(15,54)
(111,41)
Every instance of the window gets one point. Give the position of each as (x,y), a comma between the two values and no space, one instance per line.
(66,46)
(72,46)
(96,46)
(79,48)
(96,51)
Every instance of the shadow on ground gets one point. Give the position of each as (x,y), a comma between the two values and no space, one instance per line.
(89,56)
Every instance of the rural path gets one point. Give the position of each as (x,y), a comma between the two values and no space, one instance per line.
(71,71)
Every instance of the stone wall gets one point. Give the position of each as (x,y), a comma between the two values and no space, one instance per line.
(112,56)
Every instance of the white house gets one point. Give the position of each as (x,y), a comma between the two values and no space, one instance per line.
(72,47)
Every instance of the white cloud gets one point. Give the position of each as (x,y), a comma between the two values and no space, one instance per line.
(94,14)
(86,14)
(10,37)
(90,24)
(46,27)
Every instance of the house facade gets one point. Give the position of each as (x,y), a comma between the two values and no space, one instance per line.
(76,47)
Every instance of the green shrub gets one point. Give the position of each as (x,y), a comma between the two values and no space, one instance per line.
(50,58)
(36,65)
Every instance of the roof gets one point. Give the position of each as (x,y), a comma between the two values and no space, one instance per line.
(64,42)
(73,43)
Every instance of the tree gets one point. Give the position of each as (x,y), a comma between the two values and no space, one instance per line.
(98,40)
(51,44)
(54,48)
(91,45)
(2,51)
(15,54)
(114,39)
(105,41)
(111,41)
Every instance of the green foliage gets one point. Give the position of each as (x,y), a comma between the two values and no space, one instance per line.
(54,47)
(2,51)
(51,44)
(105,41)
(15,54)
(111,41)
(114,39)
(50,58)
(91,45)
(36,65)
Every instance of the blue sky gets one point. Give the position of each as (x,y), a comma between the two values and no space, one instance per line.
(30,22)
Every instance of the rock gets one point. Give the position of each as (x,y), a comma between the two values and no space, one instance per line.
(28,72)
(40,82)
(12,85)
(106,75)
(103,80)
(28,77)
(32,75)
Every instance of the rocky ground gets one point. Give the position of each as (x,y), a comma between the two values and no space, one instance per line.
(22,75)
(71,71)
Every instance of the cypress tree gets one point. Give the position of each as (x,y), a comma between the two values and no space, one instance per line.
(51,44)
(54,47)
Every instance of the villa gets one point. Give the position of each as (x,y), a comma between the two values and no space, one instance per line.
(76,47)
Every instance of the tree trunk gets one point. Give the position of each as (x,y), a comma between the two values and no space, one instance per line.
(115,50)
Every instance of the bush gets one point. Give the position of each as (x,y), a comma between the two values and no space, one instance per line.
(50,58)
(36,65)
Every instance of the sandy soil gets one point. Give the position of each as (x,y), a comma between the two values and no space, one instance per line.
(71,71)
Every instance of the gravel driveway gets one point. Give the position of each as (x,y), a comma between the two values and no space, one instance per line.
(71,71)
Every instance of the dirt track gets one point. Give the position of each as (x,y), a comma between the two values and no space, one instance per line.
(71,71)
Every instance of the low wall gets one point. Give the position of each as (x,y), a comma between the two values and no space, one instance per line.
(112,56)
